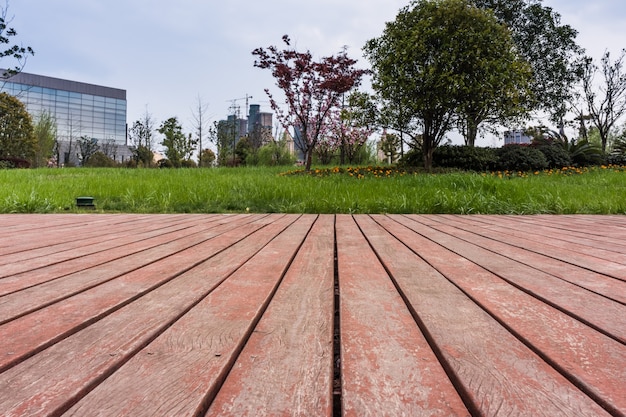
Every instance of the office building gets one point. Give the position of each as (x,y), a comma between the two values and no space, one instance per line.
(518,137)
(80,110)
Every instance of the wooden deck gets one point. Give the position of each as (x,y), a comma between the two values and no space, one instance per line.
(288,315)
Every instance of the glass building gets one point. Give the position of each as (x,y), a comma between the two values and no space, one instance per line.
(80,110)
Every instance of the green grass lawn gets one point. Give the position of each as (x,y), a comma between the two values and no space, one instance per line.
(599,190)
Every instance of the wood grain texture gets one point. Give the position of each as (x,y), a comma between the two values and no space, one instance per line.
(498,373)
(59,376)
(184,365)
(585,305)
(588,358)
(286,367)
(386,363)
(234,315)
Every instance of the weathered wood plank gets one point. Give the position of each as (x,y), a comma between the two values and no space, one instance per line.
(609,287)
(43,230)
(439,313)
(31,333)
(89,272)
(583,253)
(600,312)
(181,370)
(43,245)
(57,377)
(286,367)
(91,254)
(606,236)
(593,361)
(498,374)
(386,364)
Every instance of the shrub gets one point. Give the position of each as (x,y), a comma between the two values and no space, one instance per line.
(520,158)
(100,160)
(412,158)
(557,156)
(165,163)
(468,158)
(9,162)
(275,153)
(188,163)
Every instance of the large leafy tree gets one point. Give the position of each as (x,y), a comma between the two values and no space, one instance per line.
(17,139)
(548,45)
(312,89)
(494,82)
(444,60)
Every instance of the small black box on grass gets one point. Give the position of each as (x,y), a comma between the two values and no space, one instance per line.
(85,202)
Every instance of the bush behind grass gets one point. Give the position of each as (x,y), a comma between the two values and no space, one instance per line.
(367,190)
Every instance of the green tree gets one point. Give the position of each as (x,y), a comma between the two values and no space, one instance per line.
(243,152)
(179,147)
(493,81)
(547,45)
(224,135)
(17,138)
(45,131)
(86,148)
(441,60)
(206,159)
(141,137)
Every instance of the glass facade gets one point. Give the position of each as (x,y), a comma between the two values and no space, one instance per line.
(80,109)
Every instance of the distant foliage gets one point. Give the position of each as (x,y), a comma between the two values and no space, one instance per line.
(208,158)
(520,158)
(275,153)
(467,158)
(100,160)
(17,139)
(557,156)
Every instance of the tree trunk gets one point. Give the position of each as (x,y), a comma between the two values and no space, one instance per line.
(308,159)
(471,133)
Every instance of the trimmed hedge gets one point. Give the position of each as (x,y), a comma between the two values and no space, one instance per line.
(468,158)
(522,158)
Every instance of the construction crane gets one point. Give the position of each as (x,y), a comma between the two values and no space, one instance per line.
(235,109)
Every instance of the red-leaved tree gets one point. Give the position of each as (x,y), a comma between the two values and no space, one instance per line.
(312,89)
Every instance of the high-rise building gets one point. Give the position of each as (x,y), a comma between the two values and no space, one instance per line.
(80,110)
(258,127)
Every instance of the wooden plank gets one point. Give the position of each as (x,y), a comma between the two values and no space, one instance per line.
(181,370)
(603,314)
(286,367)
(593,361)
(386,364)
(582,253)
(84,255)
(609,287)
(64,283)
(41,230)
(31,333)
(44,245)
(547,229)
(57,377)
(498,374)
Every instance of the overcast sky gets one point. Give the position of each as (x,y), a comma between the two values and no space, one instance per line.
(166,54)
